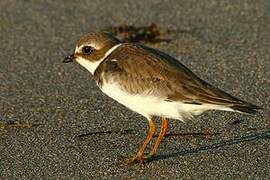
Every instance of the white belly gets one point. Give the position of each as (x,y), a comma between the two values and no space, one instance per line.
(149,106)
(145,104)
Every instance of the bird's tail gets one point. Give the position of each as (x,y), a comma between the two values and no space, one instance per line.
(247,108)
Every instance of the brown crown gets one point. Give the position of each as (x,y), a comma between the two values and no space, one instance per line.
(101,41)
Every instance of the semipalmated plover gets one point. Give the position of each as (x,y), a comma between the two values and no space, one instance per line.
(150,83)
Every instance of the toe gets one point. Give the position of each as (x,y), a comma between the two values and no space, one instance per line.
(129,161)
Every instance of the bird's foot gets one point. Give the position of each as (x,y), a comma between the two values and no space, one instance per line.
(141,159)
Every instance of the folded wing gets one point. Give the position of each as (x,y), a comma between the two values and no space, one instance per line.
(140,69)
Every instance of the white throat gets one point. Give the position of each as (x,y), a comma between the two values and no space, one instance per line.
(92,66)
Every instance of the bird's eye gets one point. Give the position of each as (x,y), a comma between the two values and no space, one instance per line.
(87,49)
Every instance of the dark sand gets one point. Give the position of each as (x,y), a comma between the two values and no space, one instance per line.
(227,44)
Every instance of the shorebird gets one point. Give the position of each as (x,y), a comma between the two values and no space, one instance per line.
(150,83)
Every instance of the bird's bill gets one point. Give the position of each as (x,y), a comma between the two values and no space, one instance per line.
(69,58)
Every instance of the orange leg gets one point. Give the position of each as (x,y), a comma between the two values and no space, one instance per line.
(140,154)
(163,131)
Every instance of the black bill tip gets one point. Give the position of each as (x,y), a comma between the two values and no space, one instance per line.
(68,59)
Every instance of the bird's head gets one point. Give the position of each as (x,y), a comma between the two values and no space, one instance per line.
(92,48)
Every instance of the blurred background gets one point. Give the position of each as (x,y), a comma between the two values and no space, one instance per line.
(56,124)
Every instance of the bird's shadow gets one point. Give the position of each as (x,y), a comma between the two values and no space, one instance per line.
(236,140)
